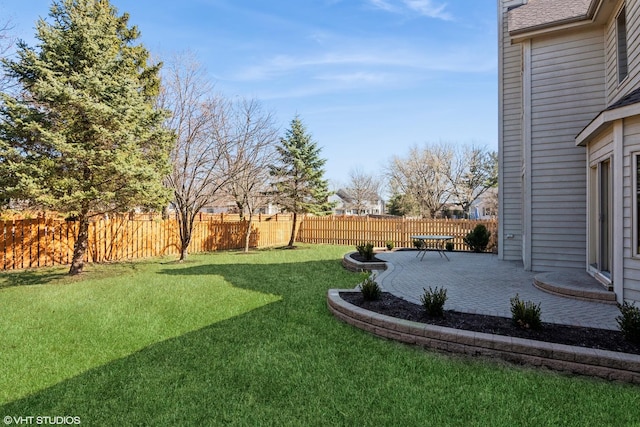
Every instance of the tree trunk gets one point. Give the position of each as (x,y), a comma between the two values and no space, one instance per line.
(82,242)
(185,240)
(247,237)
(292,239)
(183,251)
(185,224)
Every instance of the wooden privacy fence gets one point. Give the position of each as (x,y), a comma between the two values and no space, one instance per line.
(353,230)
(42,242)
(27,243)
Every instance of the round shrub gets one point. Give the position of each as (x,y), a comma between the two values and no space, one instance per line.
(370,289)
(433,301)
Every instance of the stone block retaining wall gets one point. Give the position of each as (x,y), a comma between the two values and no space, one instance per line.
(580,360)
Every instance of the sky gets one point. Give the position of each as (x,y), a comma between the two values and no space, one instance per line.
(369,78)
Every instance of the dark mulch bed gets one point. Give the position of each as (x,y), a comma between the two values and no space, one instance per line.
(356,256)
(393,306)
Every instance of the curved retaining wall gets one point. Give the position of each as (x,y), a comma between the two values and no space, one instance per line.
(580,360)
(353,265)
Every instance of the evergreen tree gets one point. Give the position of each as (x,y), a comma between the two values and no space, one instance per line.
(82,136)
(400,205)
(299,176)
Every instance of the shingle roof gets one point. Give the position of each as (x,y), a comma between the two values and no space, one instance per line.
(631,98)
(543,13)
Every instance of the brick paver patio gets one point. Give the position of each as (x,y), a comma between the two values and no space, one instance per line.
(481,283)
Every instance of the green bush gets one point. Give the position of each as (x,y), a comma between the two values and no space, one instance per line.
(629,321)
(525,315)
(389,244)
(478,239)
(449,246)
(369,287)
(366,251)
(433,301)
(417,243)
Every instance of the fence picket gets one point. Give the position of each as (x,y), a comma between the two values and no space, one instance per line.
(47,242)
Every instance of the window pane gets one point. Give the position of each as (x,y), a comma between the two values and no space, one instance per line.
(621,24)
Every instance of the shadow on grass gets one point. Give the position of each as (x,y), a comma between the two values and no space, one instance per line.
(226,373)
(60,274)
(31,277)
(292,363)
(247,276)
(207,374)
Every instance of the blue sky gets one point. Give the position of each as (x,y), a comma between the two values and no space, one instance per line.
(369,78)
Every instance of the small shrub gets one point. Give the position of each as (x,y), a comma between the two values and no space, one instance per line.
(433,301)
(478,239)
(449,246)
(366,251)
(525,314)
(369,287)
(417,243)
(629,322)
(389,244)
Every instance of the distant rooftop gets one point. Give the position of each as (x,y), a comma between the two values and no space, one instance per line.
(544,13)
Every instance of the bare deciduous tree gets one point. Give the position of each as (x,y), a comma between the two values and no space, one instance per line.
(423,177)
(204,139)
(363,189)
(474,170)
(6,42)
(254,150)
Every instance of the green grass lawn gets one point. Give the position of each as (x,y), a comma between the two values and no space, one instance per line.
(231,339)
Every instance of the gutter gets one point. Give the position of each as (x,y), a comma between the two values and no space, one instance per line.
(568,23)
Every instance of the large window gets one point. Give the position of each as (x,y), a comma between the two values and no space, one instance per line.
(621,28)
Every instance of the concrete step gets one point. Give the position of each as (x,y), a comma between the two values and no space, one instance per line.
(574,284)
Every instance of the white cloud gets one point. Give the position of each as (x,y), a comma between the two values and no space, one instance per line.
(384,5)
(370,62)
(423,7)
(355,78)
(428,8)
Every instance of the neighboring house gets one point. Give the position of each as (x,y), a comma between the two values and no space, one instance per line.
(232,208)
(485,206)
(345,204)
(450,211)
(569,138)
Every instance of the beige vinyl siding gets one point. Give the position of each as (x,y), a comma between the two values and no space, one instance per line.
(601,147)
(616,90)
(631,264)
(510,144)
(567,92)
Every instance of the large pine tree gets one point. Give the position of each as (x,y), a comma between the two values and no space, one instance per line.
(82,136)
(299,175)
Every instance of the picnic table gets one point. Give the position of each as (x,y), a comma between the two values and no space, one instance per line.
(431,241)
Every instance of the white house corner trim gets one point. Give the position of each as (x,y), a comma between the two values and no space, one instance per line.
(501,229)
(618,210)
(527,237)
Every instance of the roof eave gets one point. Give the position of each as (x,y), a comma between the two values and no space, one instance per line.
(541,30)
(603,120)
(589,18)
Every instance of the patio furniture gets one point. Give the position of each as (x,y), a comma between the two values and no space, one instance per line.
(432,242)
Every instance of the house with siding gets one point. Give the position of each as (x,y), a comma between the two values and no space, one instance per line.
(347,204)
(569,138)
